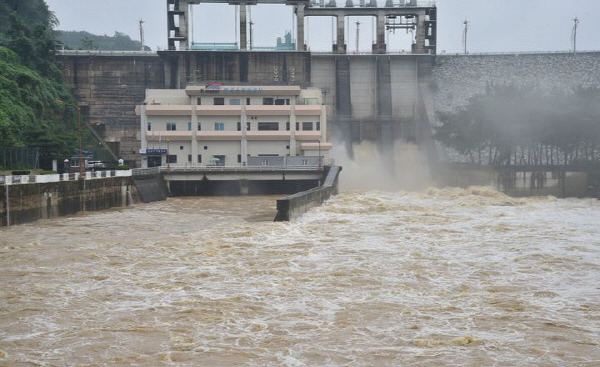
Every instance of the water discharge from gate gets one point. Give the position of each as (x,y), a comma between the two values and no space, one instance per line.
(402,168)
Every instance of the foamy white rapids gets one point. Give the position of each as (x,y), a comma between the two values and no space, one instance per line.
(452,277)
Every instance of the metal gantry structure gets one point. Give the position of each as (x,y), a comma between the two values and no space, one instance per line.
(399,14)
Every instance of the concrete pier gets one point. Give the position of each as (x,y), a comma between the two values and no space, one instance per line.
(293,206)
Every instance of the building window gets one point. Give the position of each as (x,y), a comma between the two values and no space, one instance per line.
(307,126)
(199,127)
(199,158)
(248,101)
(239,158)
(268,126)
(247,126)
(219,126)
(190,158)
(171,126)
(287,126)
(297,126)
(267,101)
(318,125)
(287,147)
(218,160)
(199,101)
(149,126)
(219,101)
(280,102)
(206,147)
(239,126)
(189,126)
(181,147)
(172,158)
(235,101)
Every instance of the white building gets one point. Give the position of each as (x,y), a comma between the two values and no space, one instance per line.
(233,126)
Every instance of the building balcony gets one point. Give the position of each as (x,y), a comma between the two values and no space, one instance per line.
(316,146)
(234,135)
(308,135)
(268,135)
(268,110)
(224,110)
(308,110)
(230,110)
(219,135)
(168,135)
(168,110)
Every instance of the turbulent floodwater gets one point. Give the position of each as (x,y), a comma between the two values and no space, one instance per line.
(442,277)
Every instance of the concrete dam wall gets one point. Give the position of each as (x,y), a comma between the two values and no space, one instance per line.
(108,86)
(372,97)
(457,77)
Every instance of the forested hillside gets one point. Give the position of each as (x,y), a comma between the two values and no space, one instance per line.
(35,106)
(82,40)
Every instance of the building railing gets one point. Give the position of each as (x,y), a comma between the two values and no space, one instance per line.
(25,179)
(356,4)
(267,164)
(191,169)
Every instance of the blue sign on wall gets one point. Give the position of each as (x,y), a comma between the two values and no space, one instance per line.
(156,151)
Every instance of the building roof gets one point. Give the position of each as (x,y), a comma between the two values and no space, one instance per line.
(243,90)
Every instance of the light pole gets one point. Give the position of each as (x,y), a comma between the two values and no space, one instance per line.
(168,163)
(574,34)
(320,157)
(357,34)
(81,168)
(465,33)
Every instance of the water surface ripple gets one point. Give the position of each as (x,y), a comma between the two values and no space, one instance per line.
(455,277)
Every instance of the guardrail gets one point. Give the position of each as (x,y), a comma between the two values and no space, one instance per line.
(24,179)
(396,4)
(233,169)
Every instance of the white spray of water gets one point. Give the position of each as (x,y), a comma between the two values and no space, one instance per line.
(370,169)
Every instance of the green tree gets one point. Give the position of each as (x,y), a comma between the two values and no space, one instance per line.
(522,125)
(31,82)
(81,40)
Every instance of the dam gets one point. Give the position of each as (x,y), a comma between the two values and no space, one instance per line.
(379,97)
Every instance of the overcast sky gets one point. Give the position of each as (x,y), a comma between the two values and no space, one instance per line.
(494,25)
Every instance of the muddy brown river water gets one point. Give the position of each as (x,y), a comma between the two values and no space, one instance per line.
(453,277)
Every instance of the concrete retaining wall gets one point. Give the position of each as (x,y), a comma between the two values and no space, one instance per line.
(29,202)
(517,181)
(293,206)
(150,188)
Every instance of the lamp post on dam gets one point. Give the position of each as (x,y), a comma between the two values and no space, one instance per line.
(81,167)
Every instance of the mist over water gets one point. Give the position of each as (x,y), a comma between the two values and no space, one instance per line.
(454,277)
(404,168)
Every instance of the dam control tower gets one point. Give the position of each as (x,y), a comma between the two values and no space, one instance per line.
(380,96)
(392,15)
